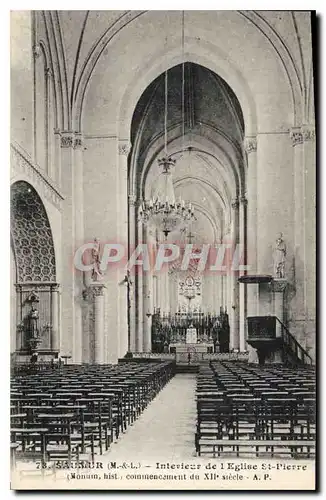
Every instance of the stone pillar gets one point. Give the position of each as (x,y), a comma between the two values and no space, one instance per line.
(243,287)
(124,149)
(55,339)
(173,292)
(234,285)
(167,290)
(161,292)
(99,323)
(139,294)
(47,166)
(309,146)
(250,146)
(57,158)
(147,299)
(222,293)
(163,277)
(278,287)
(154,291)
(148,310)
(68,245)
(299,230)
(19,318)
(132,286)
(218,298)
(79,240)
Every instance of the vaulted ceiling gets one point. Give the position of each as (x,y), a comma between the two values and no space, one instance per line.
(78,40)
(204,124)
(208,101)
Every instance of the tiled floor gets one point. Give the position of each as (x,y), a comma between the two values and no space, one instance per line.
(166,427)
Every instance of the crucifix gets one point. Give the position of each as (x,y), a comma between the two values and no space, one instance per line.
(190,237)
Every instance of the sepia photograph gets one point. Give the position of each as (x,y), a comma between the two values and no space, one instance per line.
(162,250)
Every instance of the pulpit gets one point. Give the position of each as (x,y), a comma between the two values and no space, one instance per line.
(265,328)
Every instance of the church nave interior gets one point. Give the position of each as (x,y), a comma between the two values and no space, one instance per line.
(162,243)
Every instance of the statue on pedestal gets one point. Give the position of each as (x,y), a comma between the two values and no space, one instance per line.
(279,257)
(97,274)
(34,334)
(33,320)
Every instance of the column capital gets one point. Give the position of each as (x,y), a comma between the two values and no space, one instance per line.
(48,73)
(37,51)
(279,284)
(78,141)
(55,287)
(96,289)
(250,144)
(132,200)
(235,203)
(67,139)
(296,136)
(308,132)
(124,147)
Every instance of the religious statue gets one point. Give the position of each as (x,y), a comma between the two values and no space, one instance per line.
(130,290)
(97,274)
(33,320)
(279,257)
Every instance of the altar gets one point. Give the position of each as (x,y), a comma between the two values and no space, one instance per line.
(199,347)
(182,333)
(186,352)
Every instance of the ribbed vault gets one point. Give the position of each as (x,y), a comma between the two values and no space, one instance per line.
(205,136)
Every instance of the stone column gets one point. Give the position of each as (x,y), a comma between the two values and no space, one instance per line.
(68,244)
(278,287)
(250,146)
(19,318)
(124,149)
(148,309)
(161,291)
(147,299)
(218,298)
(98,294)
(132,287)
(154,291)
(243,287)
(57,158)
(167,290)
(139,294)
(296,137)
(55,339)
(227,274)
(234,285)
(47,166)
(222,293)
(79,240)
(309,146)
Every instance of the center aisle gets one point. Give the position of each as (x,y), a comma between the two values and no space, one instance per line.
(166,427)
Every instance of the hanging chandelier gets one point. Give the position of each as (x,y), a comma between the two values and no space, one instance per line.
(163,211)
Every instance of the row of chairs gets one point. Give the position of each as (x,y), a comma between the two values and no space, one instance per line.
(255,410)
(77,412)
